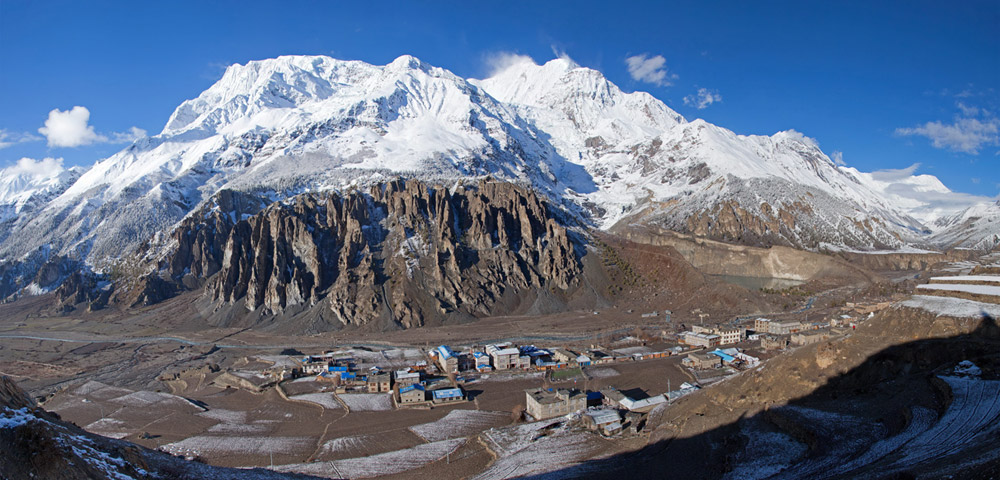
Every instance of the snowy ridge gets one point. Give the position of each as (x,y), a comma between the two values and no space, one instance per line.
(293,124)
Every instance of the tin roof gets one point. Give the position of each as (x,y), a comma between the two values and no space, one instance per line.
(447,393)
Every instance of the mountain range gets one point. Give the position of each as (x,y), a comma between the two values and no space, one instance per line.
(276,129)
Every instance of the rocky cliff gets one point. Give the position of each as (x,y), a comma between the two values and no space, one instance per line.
(398,254)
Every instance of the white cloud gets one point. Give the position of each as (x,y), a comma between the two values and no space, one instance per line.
(499,61)
(650,70)
(838,158)
(922,196)
(890,175)
(8,139)
(561,54)
(70,129)
(44,168)
(702,99)
(966,134)
(967,110)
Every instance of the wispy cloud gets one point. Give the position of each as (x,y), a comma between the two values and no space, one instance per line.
(648,69)
(969,132)
(71,128)
(838,158)
(497,62)
(8,138)
(702,99)
(133,134)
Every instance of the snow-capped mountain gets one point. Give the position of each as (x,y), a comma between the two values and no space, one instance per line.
(30,184)
(283,126)
(975,227)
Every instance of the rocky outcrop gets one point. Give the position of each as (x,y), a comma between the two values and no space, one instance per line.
(907,261)
(404,253)
(718,258)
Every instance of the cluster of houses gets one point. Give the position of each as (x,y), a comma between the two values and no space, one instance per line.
(506,356)
(410,386)
(718,358)
(771,334)
(608,411)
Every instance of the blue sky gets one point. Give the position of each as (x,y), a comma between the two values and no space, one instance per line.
(885,84)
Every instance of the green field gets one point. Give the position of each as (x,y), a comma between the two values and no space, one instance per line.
(565,374)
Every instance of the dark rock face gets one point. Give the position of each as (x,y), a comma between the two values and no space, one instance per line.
(402,252)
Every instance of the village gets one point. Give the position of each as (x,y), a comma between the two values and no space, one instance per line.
(438,376)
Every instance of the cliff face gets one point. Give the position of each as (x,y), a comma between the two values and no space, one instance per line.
(401,252)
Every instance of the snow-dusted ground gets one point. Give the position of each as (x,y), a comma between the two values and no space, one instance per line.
(459,423)
(952,307)
(603,372)
(921,420)
(507,377)
(537,448)
(367,402)
(972,417)
(845,435)
(100,391)
(279,360)
(11,418)
(378,465)
(239,444)
(856,448)
(976,289)
(109,427)
(765,454)
(241,428)
(149,399)
(632,350)
(326,400)
(107,464)
(345,444)
(968,278)
(225,416)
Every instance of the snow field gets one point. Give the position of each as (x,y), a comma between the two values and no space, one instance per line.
(766,454)
(973,416)
(344,444)
(952,307)
(109,427)
(847,435)
(968,278)
(240,428)
(459,423)
(226,416)
(237,445)
(958,287)
(388,463)
(922,419)
(367,402)
(100,391)
(534,449)
(326,400)
(632,350)
(147,398)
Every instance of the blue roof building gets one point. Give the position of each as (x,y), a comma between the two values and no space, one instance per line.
(447,395)
(727,358)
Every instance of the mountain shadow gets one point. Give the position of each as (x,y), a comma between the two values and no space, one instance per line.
(914,410)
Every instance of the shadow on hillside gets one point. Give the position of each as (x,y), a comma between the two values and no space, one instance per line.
(881,393)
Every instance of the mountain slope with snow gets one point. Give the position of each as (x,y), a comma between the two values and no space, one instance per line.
(283,126)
